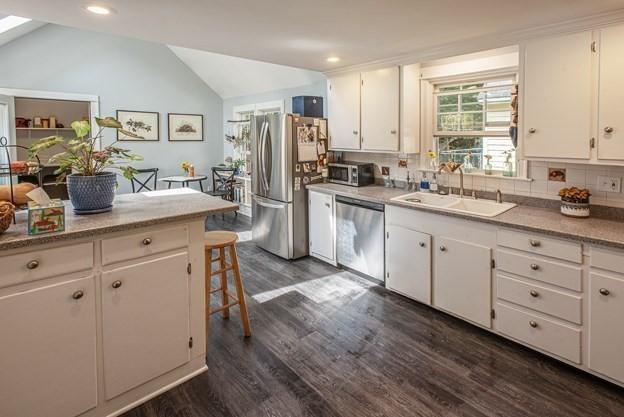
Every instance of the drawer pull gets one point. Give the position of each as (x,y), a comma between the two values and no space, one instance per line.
(421,244)
(77,295)
(116,284)
(534,294)
(535,267)
(535,243)
(533,324)
(604,291)
(443,248)
(147,241)
(32,264)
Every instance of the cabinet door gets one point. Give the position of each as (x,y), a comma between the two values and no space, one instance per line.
(463,280)
(611,94)
(343,108)
(380,110)
(408,263)
(557,97)
(145,320)
(321,225)
(606,333)
(47,352)
(410,109)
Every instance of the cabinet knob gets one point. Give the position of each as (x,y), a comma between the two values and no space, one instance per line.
(533,324)
(421,244)
(532,130)
(535,243)
(534,294)
(116,284)
(604,291)
(393,132)
(147,241)
(327,205)
(535,267)
(77,295)
(355,132)
(443,248)
(32,264)
(608,129)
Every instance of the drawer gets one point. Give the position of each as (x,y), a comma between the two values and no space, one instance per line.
(548,335)
(546,300)
(556,273)
(606,258)
(143,244)
(46,263)
(555,248)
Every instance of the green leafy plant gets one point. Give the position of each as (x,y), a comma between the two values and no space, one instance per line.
(80,156)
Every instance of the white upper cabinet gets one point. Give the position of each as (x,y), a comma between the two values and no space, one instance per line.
(380,109)
(557,97)
(410,108)
(343,104)
(611,95)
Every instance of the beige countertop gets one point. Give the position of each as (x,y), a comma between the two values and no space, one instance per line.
(130,211)
(533,219)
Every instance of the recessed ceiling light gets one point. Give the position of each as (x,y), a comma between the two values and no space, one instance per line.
(101,10)
(333,59)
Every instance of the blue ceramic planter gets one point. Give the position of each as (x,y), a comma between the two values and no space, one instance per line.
(92,194)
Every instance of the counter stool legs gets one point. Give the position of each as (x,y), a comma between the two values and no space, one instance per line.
(220,241)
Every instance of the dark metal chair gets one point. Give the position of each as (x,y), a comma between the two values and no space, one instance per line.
(223,183)
(143,184)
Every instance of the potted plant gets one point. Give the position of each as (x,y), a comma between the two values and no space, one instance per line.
(90,183)
(237,164)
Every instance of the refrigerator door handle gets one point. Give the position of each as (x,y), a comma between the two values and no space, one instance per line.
(268,205)
(261,154)
(263,144)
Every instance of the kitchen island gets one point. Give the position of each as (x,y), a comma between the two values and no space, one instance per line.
(108,313)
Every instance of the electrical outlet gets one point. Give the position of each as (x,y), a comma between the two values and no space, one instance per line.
(610,184)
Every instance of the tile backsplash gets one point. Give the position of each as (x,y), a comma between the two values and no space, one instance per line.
(577,175)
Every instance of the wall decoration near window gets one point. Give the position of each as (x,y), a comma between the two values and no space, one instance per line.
(142,123)
(186,127)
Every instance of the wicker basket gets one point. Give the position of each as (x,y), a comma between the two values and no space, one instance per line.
(6,215)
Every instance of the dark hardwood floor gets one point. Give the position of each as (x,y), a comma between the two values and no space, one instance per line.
(329,343)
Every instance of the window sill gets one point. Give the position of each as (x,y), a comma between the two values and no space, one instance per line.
(482,175)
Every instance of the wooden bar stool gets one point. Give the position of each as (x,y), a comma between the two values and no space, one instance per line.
(220,240)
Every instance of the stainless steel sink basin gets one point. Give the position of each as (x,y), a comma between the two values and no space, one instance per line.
(485,208)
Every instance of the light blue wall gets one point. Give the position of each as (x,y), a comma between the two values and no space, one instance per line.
(126,74)
(316,89)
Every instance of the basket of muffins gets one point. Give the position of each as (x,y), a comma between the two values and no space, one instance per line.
(575,202)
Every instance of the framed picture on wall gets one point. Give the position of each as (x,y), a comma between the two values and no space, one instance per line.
(145,124)
(186,127)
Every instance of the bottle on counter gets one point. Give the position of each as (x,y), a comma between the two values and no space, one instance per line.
(433,185)
(424,182)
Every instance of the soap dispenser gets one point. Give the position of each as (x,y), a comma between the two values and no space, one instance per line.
(424,182)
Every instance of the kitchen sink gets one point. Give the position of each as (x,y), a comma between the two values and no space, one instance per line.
(485,208)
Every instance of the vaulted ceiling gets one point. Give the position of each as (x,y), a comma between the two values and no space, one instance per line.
(302,33)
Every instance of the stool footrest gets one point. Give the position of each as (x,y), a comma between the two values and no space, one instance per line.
(221,270)
(216,310)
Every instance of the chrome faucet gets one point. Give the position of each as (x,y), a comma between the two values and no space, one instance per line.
(451,167)
(499,196)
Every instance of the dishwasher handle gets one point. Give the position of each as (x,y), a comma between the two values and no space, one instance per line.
(360,203)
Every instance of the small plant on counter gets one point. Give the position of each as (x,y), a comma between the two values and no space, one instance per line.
(90,183)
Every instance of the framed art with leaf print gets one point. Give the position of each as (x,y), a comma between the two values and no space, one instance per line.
(144,124)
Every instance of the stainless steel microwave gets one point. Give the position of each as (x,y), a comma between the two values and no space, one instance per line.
(356,174)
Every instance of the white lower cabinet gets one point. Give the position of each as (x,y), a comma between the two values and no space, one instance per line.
(322,226)
(463,279)
(606,332)
(408,262)
(48,345)
(145,321)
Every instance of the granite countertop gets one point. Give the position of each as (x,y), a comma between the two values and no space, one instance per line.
(130,211)
(550,221)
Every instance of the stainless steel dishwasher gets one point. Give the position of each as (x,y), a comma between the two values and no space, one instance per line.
(360,236)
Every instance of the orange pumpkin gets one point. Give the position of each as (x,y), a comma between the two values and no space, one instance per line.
(19,192)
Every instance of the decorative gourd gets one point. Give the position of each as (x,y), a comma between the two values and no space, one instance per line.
(19,192)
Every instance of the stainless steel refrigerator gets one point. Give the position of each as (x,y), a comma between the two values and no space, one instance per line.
(282,166)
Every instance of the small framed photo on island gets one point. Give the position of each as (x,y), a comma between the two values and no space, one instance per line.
(141,123)
(186,127)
